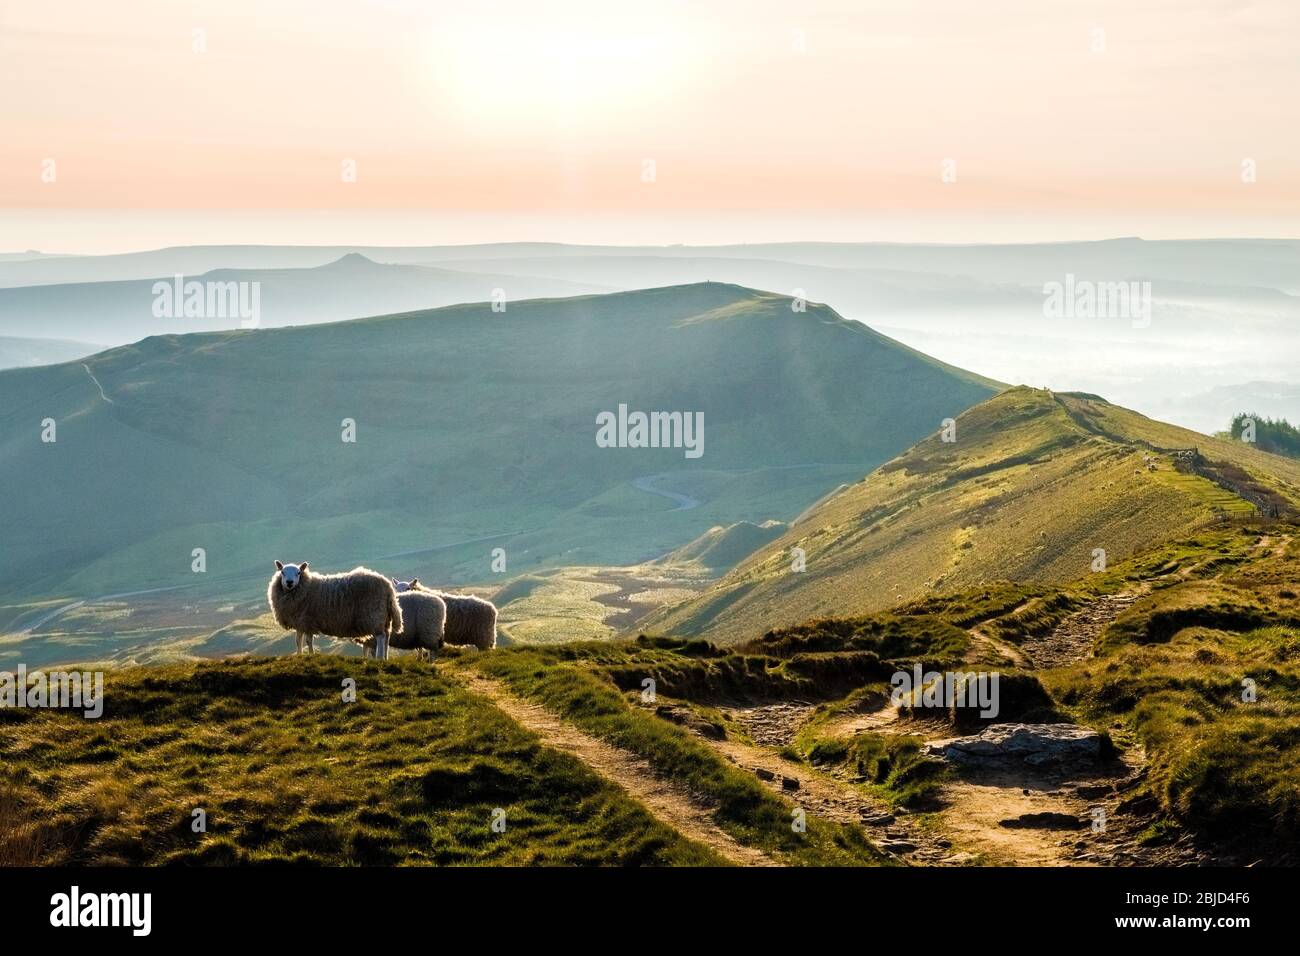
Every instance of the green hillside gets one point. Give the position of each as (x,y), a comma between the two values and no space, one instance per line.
(474,429)
(1032,485)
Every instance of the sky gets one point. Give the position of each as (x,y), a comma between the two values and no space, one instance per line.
(141,123)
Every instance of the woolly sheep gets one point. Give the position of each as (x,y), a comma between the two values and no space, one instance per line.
(357,604)
(423,616)
(470,619)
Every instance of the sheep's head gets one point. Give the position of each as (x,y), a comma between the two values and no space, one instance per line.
(291,575)
(401,586)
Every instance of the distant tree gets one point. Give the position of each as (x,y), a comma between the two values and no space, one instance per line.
(1277,436)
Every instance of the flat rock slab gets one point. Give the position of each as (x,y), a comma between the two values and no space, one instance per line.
(1032,743)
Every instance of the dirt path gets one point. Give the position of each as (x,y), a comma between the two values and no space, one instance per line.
(839,800)
(1011,816)
(772,725)
(987,649)
(672,805)
(1072,640)
(1020,817)
(835,798)
(102,393)
(971,821)
(855,722)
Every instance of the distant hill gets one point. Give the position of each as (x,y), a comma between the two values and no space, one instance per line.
(353,285)
(1032,485)
(1270,263)
(474,429)
(975,306)
(721,547)
(16,352)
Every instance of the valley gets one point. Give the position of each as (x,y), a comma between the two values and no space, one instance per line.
(1123,577)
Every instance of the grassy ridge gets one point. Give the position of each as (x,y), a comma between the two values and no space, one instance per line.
(1033,483)
(286,772)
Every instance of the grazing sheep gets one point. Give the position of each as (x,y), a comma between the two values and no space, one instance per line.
(470,619)
(423,616)
(358,604)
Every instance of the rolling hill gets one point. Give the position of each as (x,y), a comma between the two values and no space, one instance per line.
(973,306)
(115,313)
(474,429)
(1032,485)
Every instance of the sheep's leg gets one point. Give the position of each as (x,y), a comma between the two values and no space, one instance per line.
(311,643)
(367,651)
(381,646)
(298,634)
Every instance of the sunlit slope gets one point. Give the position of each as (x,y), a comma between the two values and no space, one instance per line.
(721,547)
(473,428)
(1032,485)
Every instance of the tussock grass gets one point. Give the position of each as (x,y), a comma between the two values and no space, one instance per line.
(885,635)
(286,772)
(1177,673)
(891,765)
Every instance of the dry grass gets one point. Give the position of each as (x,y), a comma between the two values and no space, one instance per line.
(22,843)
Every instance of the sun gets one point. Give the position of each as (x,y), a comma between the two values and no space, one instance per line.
(532,69)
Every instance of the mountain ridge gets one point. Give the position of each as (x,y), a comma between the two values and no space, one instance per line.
(1033,484)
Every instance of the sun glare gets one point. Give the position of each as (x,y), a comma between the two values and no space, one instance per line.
(552,72)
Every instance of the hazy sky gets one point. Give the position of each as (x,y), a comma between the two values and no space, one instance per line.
(172,122)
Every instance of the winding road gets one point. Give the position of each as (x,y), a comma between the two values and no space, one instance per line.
(646,483)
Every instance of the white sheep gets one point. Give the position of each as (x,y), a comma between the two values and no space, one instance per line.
(470,619)
(357,604)
(423,617)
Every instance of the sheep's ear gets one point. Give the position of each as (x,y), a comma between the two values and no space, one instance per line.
(279,565)
(415,582)
(303,566)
